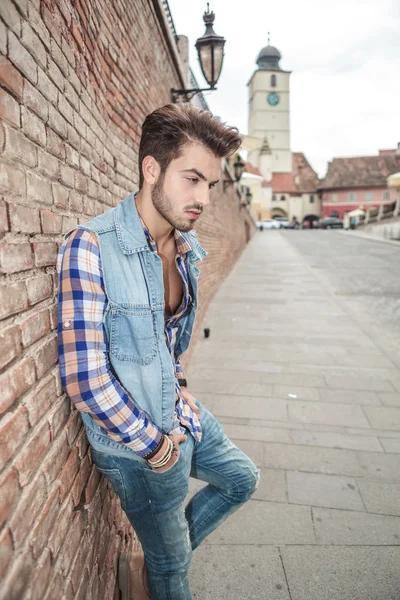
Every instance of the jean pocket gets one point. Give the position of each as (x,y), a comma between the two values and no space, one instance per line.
(115,478)
(133,335)
(170,469)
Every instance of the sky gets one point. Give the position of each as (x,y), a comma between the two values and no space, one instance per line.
(345,61)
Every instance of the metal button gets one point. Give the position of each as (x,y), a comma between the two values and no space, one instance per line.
(67,323)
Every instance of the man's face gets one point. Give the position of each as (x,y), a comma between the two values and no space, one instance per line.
(183,191)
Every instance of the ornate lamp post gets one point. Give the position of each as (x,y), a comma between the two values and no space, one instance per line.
(210,50)
(238,169)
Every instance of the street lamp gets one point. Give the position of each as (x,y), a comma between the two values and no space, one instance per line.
(249,196)
(238,169)
(210,50)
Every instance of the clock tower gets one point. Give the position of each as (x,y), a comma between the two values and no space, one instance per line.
(269,109)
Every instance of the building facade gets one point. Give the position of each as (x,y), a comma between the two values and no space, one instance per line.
(358,182)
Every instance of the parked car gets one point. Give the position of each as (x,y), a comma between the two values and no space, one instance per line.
(283,222)
(268,224)
(330,223)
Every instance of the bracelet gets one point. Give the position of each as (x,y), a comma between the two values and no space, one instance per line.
(165,458)
(156,449)
(183,382)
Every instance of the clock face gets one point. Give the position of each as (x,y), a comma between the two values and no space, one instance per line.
(273,99)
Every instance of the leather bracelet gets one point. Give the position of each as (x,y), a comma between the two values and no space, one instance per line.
(183,382)
(156,449)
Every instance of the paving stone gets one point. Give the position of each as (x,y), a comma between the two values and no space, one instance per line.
(390,399)
(230,388)
(305,458)
(235,573)
(336,440)
(266,523)
(262,434)
(242,406)
(380,496)
(300,393)
(341,527)
(312,489)
(390,444)
(349,396)
(359,383)
(380,466)
(333,414)
(342,573)
(254,450)
(272,486)
(383,417)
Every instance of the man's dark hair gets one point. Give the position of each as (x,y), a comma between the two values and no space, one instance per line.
(166,130)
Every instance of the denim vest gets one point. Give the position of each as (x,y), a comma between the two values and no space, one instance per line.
(134,318)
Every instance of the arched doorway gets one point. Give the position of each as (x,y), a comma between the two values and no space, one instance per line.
(278,212)
(310,220)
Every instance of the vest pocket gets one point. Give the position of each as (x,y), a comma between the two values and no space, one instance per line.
(132,335)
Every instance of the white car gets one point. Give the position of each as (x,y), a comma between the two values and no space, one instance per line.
(268,224)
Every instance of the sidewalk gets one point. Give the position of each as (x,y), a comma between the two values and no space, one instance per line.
(301,387)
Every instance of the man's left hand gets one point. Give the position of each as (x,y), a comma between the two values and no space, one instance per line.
(190,400)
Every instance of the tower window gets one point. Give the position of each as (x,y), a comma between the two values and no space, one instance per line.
(273,198)
(283,198)
(311,199)
(273,80)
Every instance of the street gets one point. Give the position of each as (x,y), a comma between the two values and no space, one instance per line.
(302,368)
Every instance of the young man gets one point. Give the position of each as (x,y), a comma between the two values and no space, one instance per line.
(127,303)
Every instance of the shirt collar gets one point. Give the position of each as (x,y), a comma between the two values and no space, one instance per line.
(182,245)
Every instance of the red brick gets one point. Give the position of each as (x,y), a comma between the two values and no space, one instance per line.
(73,427)
(69,472)
(51,222)
(3,217)
(19,148)
(77,35)
(11,16)
(57,537)
(10,77)
(68,224)
(55,587)
(10,344)
(72,543)
(6,552)
(57,122)
(45,523)
(77,570)
(35,20)
(55,460)
(39,288)
(66,111)
(18,578)
(9,108)
(55,145)
(46,87)
(81,480)
(53,313)
(8,493)
(13,299)
(24,219)
(3,38)
(75,201)
(39,400)
(12,179)
(60,193)
(53,21)
(55,74)
(46,356)
(38,188)
(22,59)
(82,443)
(33,127)
(35,327)
(16,381)
(31,501)
(35,47)
(29,458)
(35,101)
(45,253)
(92,485)
(67,176)
(41,576)
(15,257)
(48,164)
(60,415)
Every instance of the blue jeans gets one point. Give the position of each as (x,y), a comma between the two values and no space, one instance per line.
(154,502)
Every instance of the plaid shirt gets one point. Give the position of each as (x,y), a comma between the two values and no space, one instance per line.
(83,346)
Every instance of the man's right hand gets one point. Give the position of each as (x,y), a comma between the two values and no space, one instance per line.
(176,439)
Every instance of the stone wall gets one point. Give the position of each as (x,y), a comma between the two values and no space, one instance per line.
(77,78)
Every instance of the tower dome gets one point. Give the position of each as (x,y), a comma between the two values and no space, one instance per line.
(269,58)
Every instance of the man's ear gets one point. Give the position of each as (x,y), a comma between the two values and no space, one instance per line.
(151,170)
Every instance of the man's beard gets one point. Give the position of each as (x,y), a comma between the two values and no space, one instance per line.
(165,207)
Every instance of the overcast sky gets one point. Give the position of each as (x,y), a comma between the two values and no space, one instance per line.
(345,61)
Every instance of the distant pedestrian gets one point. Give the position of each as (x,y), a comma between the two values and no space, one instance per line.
(127,303)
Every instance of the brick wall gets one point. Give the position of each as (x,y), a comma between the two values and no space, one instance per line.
(76,80)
